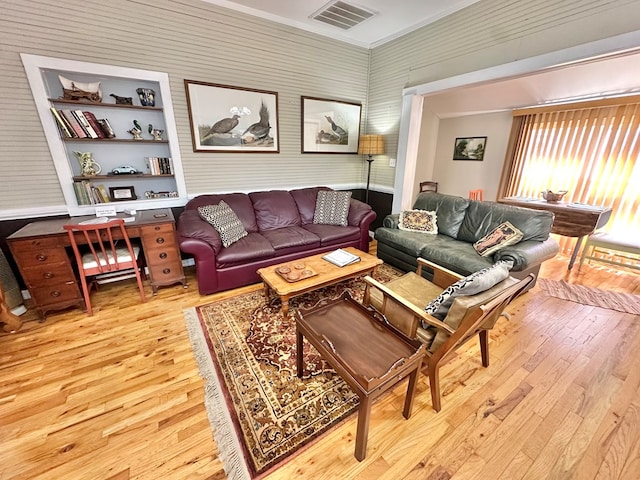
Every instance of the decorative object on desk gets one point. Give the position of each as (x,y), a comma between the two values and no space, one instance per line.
(122,100)
(120,194)
(88,166)
(72,90)
(551,197)
(330,126)
(470,148)
(136,131)
(225,118)
(125,170)
(147,97)
(156,133)
(370,145)
(264,422)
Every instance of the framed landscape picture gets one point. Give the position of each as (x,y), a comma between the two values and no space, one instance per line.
(232,119)
(470,148)
(330,126)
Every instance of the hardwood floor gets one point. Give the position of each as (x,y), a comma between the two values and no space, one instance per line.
(118,396)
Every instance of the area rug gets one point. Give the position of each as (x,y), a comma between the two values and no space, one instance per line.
(260,411)
(622,302)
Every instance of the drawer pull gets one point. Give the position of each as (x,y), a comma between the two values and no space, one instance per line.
(166,271)
(156,228)
(41,257)
(163,255)
(56,293)
(48,275)
(160,240)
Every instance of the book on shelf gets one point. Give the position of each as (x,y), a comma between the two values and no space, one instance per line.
(86,126)
(73,122)
(93,121)
(80,190)
(341,257)
(159,165)
(66,131)
(106,127)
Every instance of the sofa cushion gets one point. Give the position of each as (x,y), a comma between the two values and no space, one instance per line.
(248,249)
(482,217)
(470,285)
(332,234)
(274,209)
(305,199)
(240,203)
(332,208)
(420,221)
(503,235)
(225,221)
(449,209)
(288,237)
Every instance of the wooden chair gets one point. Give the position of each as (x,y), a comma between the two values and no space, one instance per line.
(104,249)
(428,186)
(476,194)
(402,301)
(11,323)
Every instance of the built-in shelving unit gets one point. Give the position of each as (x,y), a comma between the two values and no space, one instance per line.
(150,188)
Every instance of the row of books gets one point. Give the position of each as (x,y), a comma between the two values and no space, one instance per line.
(79,124)
(88,194)
(159,165)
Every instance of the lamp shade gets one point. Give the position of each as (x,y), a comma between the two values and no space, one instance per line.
(371,145)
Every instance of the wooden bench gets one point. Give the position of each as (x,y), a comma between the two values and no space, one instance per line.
(613,250)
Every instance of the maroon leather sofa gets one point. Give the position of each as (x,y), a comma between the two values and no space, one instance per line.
(280,229)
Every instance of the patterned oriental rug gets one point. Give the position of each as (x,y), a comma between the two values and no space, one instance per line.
(261,412)
(622,302)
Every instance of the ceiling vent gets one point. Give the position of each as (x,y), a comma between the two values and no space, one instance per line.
(342,15)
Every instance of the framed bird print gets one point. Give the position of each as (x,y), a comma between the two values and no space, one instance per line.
(232,119)
(330,126)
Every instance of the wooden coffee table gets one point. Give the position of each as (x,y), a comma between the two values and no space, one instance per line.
(326,274)
(368,353)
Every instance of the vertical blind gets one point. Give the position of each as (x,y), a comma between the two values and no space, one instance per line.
(591,152)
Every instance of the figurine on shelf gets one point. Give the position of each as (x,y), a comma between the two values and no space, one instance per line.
(88,166)
(155,133)
(147,97)
(136,131)
(122,100)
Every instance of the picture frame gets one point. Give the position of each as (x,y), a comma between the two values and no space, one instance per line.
(232,119)
(470,148)
(122,194)
(330,126)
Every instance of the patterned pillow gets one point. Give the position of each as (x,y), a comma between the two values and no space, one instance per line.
(225,221)
(470,285)
(332,208)
(421,221)
(503,235)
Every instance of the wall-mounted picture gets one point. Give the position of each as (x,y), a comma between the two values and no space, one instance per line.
(470,148)
(232,119)
(330,126)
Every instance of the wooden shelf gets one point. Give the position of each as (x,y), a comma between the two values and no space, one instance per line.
(120,177)
(113,140)
(101,104)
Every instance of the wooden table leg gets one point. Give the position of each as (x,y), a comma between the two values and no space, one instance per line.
(285,305)
(575,252)
(299,352)
(362,432)
(411,392)
(265,289)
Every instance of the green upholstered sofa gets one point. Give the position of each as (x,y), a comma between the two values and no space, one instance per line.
(462,222)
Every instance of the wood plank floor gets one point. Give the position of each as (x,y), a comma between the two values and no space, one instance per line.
(118,396)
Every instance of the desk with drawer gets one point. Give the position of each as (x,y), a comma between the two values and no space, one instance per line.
(47,266)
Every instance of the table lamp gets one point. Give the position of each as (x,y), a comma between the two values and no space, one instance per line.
(370,145)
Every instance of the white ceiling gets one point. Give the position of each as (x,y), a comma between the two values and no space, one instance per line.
(392,19)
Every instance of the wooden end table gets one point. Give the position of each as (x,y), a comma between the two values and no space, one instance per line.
(365,350)
(327,274)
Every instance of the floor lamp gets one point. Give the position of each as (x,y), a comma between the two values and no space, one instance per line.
(370,145)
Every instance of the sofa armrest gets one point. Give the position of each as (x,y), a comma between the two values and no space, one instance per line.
(191,226)
(358,212)
(528,253)
(391,221)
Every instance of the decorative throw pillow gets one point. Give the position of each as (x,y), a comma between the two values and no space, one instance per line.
(503,235)
(332,208)
(470,285)
(421,221)
(225,221)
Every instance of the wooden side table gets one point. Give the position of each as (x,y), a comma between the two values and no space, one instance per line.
(365,350)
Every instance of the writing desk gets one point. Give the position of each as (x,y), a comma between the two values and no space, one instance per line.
(570,219)
(48,269)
